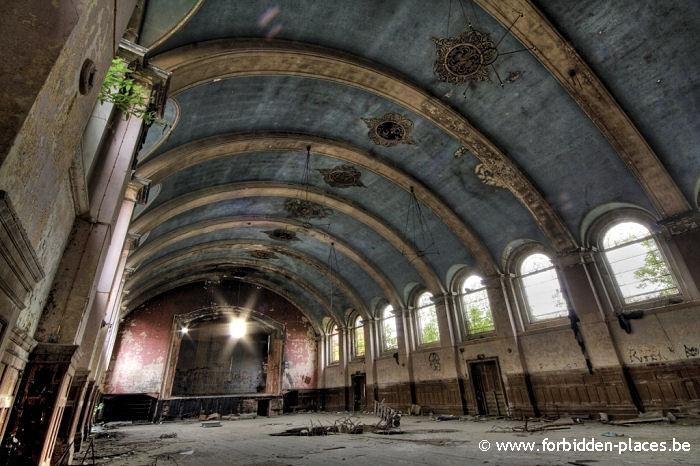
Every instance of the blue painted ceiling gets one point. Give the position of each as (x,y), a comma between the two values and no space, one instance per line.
(634,47)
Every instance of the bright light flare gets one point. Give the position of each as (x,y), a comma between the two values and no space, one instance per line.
(184,330)
(237,328)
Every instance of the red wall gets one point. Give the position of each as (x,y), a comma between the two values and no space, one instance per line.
(141,351)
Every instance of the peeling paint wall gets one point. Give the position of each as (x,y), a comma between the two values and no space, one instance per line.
(141,353)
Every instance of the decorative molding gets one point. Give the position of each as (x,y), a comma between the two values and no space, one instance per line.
(497,170)
(574,74)
(391,129)
(342,176)
(461,152)
(465,57)
(20,269)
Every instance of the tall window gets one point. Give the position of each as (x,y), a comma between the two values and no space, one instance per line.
(389,339)
(638,268)
(426,314)
(358,337)
(476,307)
(541,288)
(334,345)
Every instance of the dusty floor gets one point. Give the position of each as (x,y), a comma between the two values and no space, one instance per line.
(424,441)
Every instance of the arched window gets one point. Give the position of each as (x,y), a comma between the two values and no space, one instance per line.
(388,323)
(541,288)
(334,345)
(358,337)
(636,264)
(476,306)
(426,316)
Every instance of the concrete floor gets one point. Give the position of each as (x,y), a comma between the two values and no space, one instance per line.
(424,441)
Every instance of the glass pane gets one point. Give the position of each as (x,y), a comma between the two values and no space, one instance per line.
(428,325)
(640,271)
(335,347)
(472,283)
(389,337)
(535,262)
(543,295)
(359,341)
(624,232)
(426,299)
(477,312)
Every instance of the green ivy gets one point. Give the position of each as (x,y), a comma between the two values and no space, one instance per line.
(120,89)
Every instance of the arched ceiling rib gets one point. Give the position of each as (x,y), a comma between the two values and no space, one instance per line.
(205,277)
(197,65)
(229,246)
(176,206)
(565,64)
(142,254)
(317,300)
(196,152)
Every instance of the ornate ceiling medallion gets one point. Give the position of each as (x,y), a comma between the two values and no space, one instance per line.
(341,176)
(390,130)
(465,57)
(301,208)
(282,234)
(263,254)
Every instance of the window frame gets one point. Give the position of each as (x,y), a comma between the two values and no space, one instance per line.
(353,335)
(527,320)
(382,334)
(417,321)
(596,236)
(460,294)
(333,327)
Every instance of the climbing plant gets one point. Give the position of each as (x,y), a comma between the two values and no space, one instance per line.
(120,89)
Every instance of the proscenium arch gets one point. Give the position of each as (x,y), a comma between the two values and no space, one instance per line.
(196,152)
(198,266)
(143,253)
(150,219)
(198,64)
(215,276)
(250,245)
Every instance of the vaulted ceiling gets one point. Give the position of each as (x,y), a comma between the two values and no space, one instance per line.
(599,111)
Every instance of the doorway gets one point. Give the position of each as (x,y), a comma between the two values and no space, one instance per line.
(488,388)
(358,392)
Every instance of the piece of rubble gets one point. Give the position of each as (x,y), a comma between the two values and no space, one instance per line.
(211,424)
(213,417)
(169,435)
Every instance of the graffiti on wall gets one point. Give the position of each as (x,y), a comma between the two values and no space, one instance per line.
(645,353)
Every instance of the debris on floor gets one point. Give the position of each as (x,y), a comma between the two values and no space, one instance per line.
(612,434)
(168,435)
(446,417)
(653,416)
(211,424)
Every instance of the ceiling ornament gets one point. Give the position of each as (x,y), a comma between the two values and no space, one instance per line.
(465,57)
(282,234)
(341,176)
(301,208)
(390,129)
(263,254)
